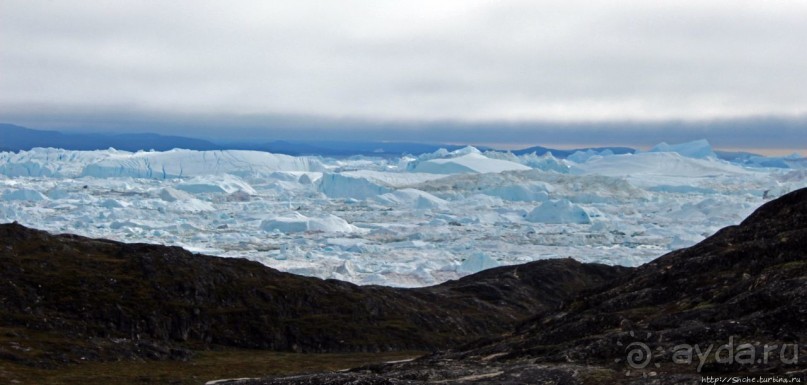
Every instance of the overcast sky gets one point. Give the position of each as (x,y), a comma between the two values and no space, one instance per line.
(203,66)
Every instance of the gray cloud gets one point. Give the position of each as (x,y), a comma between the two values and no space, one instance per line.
(761,134)
(465,61)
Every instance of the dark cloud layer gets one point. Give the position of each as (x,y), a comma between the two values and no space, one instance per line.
(751,133)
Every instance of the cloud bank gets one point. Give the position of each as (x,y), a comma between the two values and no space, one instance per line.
(470,62)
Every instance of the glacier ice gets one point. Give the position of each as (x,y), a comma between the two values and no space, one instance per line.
(407,222)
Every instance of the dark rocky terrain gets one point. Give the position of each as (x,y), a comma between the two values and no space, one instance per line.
(65,298)
(743,289)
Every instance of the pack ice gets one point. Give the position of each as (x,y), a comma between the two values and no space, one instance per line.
(412,221)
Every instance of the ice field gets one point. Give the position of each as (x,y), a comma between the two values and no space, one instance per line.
(411,221)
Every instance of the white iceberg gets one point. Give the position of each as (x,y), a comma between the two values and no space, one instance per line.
(558,212)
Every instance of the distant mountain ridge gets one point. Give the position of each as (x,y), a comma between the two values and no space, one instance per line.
(16,138)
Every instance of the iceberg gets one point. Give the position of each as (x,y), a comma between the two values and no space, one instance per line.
(527,192)
(297,223)
(476,263)
(348,186)
(188,163)
(472,162)
(558,212)
(695,149)
(23,195)
(170,194)
(412,198)
(226,184)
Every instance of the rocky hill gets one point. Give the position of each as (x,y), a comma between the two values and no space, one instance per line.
(69,298)
(734,304)
(736,301)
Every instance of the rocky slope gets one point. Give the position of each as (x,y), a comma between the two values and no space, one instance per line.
(65,298)
(734,304)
